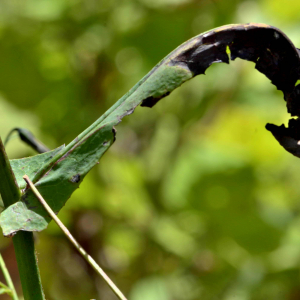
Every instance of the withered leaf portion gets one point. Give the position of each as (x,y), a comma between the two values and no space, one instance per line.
(288,138)
(269,48)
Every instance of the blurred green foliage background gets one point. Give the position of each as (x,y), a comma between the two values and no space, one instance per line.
(195,200)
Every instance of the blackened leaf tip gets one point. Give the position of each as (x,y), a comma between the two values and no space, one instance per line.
(288,138)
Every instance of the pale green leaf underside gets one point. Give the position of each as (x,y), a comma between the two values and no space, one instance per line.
(30,165)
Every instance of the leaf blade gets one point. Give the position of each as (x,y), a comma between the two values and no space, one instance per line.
(270,49)
(58,184)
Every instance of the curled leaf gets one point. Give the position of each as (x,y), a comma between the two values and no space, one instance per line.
(270,49)
(27,137)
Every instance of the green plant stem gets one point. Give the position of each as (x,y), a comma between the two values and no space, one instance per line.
(65,230)
(23,241)
(8,279)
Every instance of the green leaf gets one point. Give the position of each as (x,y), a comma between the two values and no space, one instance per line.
(30,165)
(272,52)
(58,184)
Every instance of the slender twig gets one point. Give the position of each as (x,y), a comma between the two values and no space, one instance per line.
(8,279)
(23,241)
(84,254)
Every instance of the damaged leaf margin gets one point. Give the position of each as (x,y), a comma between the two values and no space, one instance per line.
(270,49)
